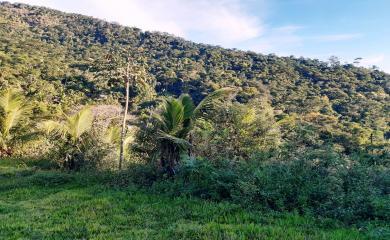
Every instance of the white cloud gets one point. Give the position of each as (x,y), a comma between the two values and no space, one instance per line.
(277,40)
(380,60)
(373,60)
(386,67)
(221,22)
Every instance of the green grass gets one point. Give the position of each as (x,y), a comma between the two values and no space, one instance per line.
(38,204)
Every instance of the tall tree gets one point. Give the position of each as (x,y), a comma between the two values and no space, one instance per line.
(129,72)
(123,129)
(134,75)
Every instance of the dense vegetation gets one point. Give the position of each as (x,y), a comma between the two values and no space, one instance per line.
(41,204)
(263,132)
(52,56)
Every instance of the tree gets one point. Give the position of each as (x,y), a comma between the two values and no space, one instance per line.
(135,75)
(238,131)
(357,60)
(176,123)
(123,129)
(334,61)
(131,71)
(71,129)
(14,115)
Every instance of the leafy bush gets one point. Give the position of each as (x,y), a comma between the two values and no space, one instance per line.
(141,174)
(92,153)
(319,182)
(237,131)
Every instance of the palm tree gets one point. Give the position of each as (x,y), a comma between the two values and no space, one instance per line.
(176,122)
(14,113)
(71,130)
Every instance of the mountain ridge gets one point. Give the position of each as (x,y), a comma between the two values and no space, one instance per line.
(46,53)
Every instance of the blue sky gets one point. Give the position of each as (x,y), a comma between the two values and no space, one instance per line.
(309,28)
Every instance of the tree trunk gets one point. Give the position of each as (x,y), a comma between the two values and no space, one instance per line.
(169,158)
(190,152)
(123,131)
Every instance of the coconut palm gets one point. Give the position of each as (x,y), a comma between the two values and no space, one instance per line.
(71,129)
(14,115)
(176,122)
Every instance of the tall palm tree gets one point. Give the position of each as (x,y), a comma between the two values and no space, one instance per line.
(71,129)
(176,122)
(14,112)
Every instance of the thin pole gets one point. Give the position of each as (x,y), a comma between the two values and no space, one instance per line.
(123,131)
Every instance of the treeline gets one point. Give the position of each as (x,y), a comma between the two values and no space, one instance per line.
(55,58)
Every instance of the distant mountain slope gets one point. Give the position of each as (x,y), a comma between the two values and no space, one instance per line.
(48,53)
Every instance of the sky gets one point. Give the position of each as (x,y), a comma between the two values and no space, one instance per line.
(310,28)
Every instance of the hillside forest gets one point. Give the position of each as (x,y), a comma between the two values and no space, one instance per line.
(81,95)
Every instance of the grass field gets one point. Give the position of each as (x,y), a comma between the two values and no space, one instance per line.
(39,204)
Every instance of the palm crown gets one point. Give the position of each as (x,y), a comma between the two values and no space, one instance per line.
(176,122)
(71,127)
(14,110)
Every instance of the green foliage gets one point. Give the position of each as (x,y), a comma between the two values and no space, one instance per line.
(112,136)
(176,122)
(62,60)
(318,182)
(49,204)
(301,135)
(73,131)
(237,131)
(14,115)
(71,127)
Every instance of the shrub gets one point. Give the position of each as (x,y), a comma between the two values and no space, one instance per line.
(319,182)
(237,131)
(92,153)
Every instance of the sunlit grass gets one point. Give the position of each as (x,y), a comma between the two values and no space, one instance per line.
(36,204)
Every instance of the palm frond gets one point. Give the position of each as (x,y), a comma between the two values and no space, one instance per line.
(10,99)
(79,123)
(180,142)
(188,105)
(212,100)
(11,119)
(112,135)
(14,110)
(172,115)
(52,127)
(127,141)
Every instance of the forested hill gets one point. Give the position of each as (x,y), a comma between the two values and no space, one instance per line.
(50,55)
